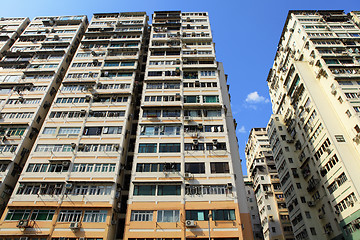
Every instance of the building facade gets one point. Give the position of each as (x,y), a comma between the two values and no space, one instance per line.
(253,209)
(270,199)
(183,183)
(314,130)
(10,30)
(30,74)
(72,186)
(133,135)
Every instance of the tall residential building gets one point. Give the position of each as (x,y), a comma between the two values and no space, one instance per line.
(10,30)
(72,186)
(315,130)
(270,200)
(186,179)
(169,124)
(253,209)
(30,75)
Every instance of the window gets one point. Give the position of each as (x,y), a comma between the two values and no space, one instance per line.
(141,216)
(207,73)
(42,215)
(92,131)
(147,147)
(164,190)
(192,113)
(171,113)
(191,99)
(217,146)
(53,148)
(69,216)
(168,216)
(14,215)
(212,113)
(210,99)
(69,130)
(339,138)
(144,190)
(95,216)
(219,167)
(197,215)
(158,167)
(49,130)
(195,167)
(112,130)
(169,147)
(225,215)
(207,190)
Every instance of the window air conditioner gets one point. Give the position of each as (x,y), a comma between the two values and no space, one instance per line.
(187,175)
(190,223)
(23,223)
(74,225)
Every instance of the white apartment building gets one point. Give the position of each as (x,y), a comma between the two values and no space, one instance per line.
(186,180)
(10,30)
(253,209)
(270,199)
(314,131)
(72,186)
(30,74)
(126,150)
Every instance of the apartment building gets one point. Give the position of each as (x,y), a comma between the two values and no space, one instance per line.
(10,30)
(30,74)
(186,178)
(314,131)
(72,186)
(270,200)
(253,209)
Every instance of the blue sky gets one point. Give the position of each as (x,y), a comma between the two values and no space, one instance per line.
(246,34)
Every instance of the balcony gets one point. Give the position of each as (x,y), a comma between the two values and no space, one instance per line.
(313,184)
(350,72)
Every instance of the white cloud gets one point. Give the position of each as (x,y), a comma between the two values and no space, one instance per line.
(241,129)
(254,97)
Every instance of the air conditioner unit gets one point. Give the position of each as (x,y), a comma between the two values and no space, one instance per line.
(74,225)
(190,223)
(68,185)
(23,223)
(311,203)
(328,150)
(328,231)
(73,145)
(187,118)
(271,218)
(333,92)
(229,185)
(215,141)
(187,175)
